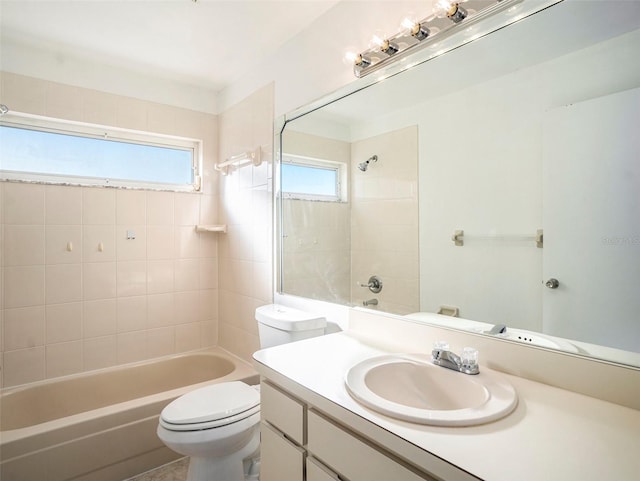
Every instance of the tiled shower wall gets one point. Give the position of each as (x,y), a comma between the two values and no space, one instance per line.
(245,252)
(66,306)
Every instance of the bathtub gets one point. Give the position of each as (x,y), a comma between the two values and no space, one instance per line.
(102,425)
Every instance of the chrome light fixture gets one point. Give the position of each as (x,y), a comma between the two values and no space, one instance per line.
(444,20)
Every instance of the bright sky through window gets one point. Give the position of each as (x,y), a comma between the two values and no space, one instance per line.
(68,155)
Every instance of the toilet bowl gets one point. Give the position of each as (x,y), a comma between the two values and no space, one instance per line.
(218,426)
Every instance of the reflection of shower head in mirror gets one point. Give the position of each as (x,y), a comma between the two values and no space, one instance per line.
(363,166)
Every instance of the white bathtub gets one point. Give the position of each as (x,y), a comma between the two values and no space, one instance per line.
(102,425)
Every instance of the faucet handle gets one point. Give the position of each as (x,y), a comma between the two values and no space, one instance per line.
(469,356)
(441,346)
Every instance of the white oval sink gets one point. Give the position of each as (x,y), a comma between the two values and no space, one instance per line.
(409,387)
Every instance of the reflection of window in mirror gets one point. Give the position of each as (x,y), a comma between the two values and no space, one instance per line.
(313,179)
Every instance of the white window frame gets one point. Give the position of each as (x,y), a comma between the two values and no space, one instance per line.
(83,129)
(341,178)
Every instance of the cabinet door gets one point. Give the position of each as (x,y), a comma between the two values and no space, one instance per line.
(352,457)
(283,412)
(318,472)
(280,459)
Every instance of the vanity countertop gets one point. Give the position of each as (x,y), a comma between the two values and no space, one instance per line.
(553,434)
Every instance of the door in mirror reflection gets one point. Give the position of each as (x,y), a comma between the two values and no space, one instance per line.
(591,212)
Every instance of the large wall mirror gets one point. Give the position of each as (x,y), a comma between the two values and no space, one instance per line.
(495,185)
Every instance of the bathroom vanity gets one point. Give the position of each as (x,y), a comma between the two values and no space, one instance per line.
(313,429)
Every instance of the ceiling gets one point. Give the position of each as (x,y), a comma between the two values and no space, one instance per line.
(206,43)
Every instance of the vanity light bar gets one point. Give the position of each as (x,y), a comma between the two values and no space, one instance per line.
(447,18)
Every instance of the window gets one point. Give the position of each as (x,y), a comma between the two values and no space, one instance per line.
(34,148)
(313,179)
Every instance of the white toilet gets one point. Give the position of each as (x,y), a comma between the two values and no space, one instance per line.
(218,426)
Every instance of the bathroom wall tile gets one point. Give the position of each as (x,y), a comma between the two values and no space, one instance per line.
(187,209)
(131,207)
(24,94)
(208,247)
(208,210)
(160,310)
(63,358)
(160,208)
(98,280)
(208,273)
(131,278)
(23,203)
(98,243)
(63,205)
(63,102)
(23,366)
(161,119)
(131,113)
(238,341)
(99,318)
(23,286)
(23,328)
(98,107)
(63,283)
(263,281)
(63,244)
(187,337)
(23,245)
(160,242)
(187,274)
(63,322)
(131,313)
(161,342)
(208,333)
(131,249)
(99,352)
(208,304)
(160,276)
(131,347)
(187,242)
(98,206)
(187,307)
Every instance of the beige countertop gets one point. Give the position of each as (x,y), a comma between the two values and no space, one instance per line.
(553,434)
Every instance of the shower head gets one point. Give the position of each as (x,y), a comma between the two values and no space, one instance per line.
(363,166)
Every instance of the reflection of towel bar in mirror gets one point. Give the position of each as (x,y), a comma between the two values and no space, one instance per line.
(459,236)
(222,228)
(250,157)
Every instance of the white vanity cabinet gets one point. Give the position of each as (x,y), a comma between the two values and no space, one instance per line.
(282,431)
(300,443)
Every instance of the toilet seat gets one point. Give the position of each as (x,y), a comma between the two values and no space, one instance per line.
(211,407)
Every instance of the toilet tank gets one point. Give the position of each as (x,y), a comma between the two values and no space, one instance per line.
(279,324)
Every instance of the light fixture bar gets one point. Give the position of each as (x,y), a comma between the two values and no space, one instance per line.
(448,18)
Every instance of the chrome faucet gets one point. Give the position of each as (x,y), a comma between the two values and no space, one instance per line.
(497,329)
(370,302)
(466,363)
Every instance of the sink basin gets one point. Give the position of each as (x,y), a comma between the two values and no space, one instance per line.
(537,339)
(410,388)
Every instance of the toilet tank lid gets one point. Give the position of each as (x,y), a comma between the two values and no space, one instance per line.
(288,318)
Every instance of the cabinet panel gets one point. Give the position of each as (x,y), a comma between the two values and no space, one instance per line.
(317,472)
(280,459)
(283,412)
(351,457)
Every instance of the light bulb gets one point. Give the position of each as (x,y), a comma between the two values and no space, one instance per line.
(417,30)
(357,59)
(449,9)
(385,46)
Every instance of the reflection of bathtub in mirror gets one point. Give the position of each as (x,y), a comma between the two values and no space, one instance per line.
(513,334)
